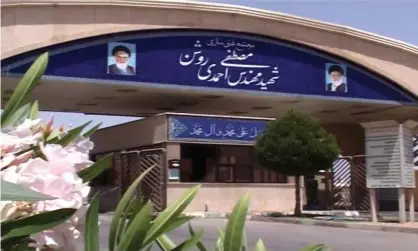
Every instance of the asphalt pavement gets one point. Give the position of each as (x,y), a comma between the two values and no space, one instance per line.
(289,237)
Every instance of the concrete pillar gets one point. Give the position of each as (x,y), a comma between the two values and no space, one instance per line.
(173,151)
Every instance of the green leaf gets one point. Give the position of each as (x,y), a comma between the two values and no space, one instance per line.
(92,130)
(177,222)
(121,209)
(19,115)
(317,247)
(134,236)
(235,227)
(34,111)
(24,88)
(199,245)
(165,243)
(163,221)
(35,224)
(244,241)
(14,243)
(91,172)
(91,234)
(220,240)
(186,245)
(53,136)
(135,205)
(15,192)
(259,246)
(72,134)
(22,246)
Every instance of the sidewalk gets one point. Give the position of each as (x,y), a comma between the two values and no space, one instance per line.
(410,227)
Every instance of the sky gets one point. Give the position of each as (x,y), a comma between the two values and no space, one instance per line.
(397,19)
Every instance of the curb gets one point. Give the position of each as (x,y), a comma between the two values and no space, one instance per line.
(309,222)
(211,215)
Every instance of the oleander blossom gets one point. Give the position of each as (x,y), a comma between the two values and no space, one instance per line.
(55,175)
(21,138)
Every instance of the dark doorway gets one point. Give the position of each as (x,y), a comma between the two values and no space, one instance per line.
(198,156)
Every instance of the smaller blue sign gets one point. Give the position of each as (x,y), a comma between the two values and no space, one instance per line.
(194,128)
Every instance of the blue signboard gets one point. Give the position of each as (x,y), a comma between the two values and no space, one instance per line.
(223,61)
(213,129)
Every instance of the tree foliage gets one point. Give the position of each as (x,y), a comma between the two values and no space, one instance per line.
(296,145)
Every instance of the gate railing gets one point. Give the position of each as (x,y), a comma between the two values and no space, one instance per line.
(153,186)
(349,189)
(416,150)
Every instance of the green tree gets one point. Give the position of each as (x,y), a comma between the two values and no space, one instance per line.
(296,145)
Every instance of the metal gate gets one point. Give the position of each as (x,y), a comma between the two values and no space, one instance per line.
(416,150)
(349,189)
(154,186)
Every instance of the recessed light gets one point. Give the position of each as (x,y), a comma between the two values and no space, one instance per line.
(212,96)
(261,107)
(187,103)
(359,106)
(290,101)
(327,111)
(377,110)
(86,104)
(362,113)
(126,90)
(104,98)
(237,112)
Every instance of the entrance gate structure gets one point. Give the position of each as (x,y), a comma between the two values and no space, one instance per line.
(229,60)
(153,187)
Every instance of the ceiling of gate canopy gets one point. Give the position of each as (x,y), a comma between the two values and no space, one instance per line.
(139,101)
(142,74)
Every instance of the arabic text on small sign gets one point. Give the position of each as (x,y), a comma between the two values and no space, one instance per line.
(228,132)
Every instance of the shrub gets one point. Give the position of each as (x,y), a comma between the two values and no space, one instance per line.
(296,145)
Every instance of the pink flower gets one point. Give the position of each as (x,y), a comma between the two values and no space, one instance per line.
(27,128)
(12,143)
(11,159)
(7,210)
(82,145)
(10,174)
(56,175)
(58,238)
(56,153)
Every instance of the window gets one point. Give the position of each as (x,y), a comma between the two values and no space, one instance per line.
(222,163)
(235,164)
(174,170)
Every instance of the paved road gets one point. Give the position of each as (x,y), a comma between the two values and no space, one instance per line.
(287,237)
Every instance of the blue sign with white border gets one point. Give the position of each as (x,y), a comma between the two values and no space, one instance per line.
(214,129)
(211,60)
